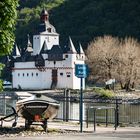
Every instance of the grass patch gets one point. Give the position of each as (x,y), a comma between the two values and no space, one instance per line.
(104,93)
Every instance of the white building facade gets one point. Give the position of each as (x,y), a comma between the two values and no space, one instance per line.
(47,65)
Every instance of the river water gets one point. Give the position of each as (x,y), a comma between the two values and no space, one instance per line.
(128,113)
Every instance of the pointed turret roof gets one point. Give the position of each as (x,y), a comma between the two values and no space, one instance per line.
(71,46)
(81,49)
(45,26)
(29,45)
(44,48)
(15,52)
(44,15)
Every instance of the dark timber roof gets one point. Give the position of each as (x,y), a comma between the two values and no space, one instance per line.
(56,49)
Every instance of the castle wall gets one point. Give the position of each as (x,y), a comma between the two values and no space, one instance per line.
(27,76)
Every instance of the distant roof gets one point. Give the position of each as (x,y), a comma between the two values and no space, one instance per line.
(56,49)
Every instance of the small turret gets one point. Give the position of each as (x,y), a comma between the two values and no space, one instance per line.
(44,16)
(29,45)
(81,52)
(71,46)
(81,49)
(15,52)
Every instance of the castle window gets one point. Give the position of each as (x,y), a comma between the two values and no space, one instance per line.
(23,74)
(61,74)
(68,75)
(18,74)
(49,30)
(27,74)
(66,56)
(36,74)
(32,74)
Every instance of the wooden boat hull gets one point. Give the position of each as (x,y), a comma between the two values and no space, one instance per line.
(37,108)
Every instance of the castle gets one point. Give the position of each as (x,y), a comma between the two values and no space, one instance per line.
(46,65)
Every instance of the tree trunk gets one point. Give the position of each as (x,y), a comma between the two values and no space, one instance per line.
(122,86)
(127,86)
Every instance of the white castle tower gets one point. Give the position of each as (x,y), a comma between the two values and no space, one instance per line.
(47,65)
(46,33)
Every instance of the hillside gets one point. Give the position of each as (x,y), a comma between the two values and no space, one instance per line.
(81,19)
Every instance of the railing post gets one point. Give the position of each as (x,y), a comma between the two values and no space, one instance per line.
(5,104)
(94,113)
(106,117)
(117,113)
(64,106)
(67,105)
(87,119)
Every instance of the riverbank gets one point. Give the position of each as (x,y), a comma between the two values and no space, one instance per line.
(90,93)
(56,128)
(75,93)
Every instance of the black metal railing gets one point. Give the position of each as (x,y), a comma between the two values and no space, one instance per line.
(126,112)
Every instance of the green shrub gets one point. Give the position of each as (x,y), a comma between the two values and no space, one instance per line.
(1,85)
(104,93)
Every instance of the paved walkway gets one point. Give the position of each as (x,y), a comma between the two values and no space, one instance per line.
(83,136)
(102,132)
(74,126)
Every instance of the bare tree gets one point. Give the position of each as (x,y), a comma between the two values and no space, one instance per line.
(128,69)
(102,57)
(110,58)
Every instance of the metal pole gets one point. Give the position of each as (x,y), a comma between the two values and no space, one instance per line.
(87,116)
(94,119)
(81,106)
(64,106)
(67,105)
(106,117)
(117,112)
(5,104)
(115,119)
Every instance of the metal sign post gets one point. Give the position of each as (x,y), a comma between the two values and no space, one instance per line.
(81,72)
(81,106)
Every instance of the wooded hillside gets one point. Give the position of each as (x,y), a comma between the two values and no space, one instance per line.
(83,20)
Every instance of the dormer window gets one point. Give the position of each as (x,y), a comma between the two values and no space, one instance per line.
(49,30)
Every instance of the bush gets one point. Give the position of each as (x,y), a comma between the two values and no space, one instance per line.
(1,85)
(104,93)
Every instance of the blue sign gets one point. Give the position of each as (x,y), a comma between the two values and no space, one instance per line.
(81,70)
